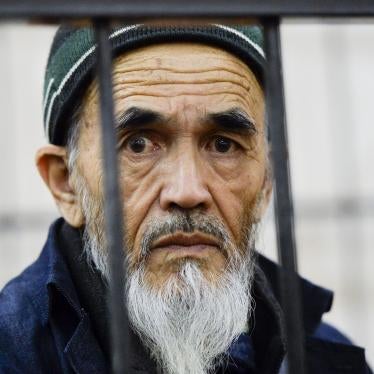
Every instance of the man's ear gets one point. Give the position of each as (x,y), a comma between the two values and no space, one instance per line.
(51,161)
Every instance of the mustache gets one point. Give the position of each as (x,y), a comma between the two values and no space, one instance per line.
(187,222)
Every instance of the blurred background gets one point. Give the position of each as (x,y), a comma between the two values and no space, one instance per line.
(329,82)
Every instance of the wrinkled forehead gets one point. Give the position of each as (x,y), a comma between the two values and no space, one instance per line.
(184,53)
(190,73)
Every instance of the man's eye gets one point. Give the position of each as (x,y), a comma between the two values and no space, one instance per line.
(140,144)
(223,145)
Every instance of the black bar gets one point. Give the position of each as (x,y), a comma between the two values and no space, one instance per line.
(276,116)
(113,207)
(145,9)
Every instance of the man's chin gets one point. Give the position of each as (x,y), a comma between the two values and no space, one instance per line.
(174,273)
(162,266)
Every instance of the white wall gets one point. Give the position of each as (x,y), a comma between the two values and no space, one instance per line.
(329,92)
(25,205)
(329,88)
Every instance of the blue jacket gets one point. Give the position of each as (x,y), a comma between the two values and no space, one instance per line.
(44,329)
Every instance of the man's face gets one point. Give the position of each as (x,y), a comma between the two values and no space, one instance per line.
(191,144)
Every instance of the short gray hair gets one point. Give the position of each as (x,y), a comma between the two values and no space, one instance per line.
(72,138)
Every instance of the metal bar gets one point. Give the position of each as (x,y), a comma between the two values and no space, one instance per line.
(145,9)
(290,293)
(113,206)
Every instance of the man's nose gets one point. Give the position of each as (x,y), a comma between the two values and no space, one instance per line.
(185,185)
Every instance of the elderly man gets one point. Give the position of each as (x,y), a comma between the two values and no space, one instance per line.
(193,157)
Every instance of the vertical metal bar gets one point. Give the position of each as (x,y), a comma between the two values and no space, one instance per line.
(290,293)
(113,206)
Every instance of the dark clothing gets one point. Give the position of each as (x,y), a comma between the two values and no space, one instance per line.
(53,319)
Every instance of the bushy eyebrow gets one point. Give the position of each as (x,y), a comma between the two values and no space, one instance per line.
(136,116)
(233,120)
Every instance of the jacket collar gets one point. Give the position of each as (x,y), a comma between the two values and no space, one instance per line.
(267,326)
(75,340)
(315,300)
(59,278)
(53,275)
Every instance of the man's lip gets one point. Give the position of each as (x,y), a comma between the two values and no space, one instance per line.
(185,240)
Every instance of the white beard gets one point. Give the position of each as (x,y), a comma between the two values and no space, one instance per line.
(189,324)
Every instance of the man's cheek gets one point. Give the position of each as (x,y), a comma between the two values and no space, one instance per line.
(130,242)
(240,202)
(135,232)
(138,202)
